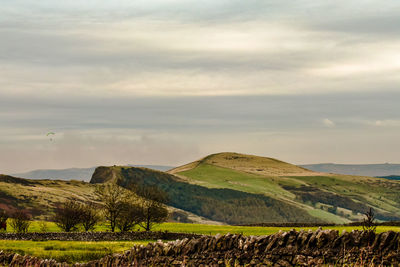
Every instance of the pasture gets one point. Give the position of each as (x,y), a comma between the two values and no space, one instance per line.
(78,251)
(68,251)
(207,229)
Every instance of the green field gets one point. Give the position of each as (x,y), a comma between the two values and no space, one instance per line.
(77,251)
(68,251)
(251,230)
(207,229)
(328,197)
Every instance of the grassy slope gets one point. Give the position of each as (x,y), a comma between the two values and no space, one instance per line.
(40,196)
(219,204)
(282,181)
(68,251)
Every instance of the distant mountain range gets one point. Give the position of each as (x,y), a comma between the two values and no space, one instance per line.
(80,174)
(386,170)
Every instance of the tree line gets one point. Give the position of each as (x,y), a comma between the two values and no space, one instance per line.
(120,208)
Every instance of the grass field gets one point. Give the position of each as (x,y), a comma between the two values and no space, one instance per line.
(68,251)
(213,229)
(77,251)
(250,230)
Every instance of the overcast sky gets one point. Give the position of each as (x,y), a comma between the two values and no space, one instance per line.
(170,81)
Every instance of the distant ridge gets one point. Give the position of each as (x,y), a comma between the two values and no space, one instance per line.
(376,170)
(80,174)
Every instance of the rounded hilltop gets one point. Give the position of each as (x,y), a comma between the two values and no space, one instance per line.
(248,163)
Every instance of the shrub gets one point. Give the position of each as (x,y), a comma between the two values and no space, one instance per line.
(43,226)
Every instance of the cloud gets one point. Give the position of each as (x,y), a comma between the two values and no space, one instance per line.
(328,123)
(157,48)
(200,76)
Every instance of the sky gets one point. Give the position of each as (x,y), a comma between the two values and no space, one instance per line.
(168,82)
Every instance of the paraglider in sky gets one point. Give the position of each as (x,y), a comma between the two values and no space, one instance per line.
(50,134)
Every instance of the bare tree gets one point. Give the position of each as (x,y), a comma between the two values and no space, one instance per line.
(89,216)
(68,215)
(20,221)
(152,206)
(3,220)
(113,198)
(129,217)
(368,223)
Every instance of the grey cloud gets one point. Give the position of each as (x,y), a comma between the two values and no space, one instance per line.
(78,68)
(241,113)
(64,47)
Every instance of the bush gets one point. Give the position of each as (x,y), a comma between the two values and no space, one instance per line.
(43,226)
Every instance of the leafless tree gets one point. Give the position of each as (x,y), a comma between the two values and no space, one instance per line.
(129,216)
(68,215)
(113,198)
(368,223)
(89,216)
(152,206)
(3,219)
(20,221)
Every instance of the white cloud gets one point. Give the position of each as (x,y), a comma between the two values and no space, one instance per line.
(328,123)
(144,49)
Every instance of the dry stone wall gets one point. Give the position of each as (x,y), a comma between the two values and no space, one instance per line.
(304,248)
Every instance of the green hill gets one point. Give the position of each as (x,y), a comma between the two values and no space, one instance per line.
(218,204)
(330,197)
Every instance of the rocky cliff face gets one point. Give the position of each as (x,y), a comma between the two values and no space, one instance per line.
(304,248)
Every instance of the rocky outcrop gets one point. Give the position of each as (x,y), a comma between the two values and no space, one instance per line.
(304,248)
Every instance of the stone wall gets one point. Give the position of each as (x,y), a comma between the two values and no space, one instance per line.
(304,248)
(97,236)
